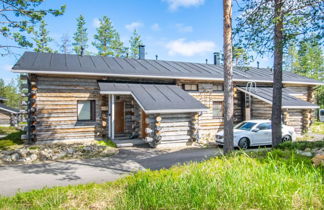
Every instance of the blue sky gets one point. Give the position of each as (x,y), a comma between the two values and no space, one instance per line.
(182,30)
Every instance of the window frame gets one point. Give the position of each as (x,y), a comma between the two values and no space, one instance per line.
(190,89)
(267,123)
(92,111)
(222,110)
(218,85)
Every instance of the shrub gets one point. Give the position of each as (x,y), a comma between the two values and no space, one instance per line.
(301,145)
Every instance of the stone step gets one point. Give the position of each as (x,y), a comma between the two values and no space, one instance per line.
(128,142)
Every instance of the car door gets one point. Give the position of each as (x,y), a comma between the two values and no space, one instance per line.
(263,134)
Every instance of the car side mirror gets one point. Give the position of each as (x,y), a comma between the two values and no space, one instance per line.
(255,130)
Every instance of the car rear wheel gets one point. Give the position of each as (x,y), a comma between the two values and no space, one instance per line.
(286,138)
(244,143)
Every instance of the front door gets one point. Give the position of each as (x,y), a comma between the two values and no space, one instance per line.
(119,117)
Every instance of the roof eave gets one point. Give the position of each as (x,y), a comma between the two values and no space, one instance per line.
(156,76)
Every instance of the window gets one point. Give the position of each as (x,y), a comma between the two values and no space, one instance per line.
(86,110)
(264,126)
(190,87)
(218,109)
(218,87)
(245,126)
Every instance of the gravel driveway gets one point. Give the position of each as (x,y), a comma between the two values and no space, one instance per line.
(60,173)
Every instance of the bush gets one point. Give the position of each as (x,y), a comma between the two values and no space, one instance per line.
(301,145)
(108,143)
(11,140)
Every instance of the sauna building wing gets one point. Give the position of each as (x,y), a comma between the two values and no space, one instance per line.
(83,98)
(8,116)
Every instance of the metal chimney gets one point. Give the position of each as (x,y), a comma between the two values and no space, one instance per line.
(258,64)
(141,54)
(216,58)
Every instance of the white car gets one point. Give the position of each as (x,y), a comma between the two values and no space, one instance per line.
(255,133)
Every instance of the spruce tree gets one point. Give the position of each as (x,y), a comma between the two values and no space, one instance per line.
(80,36)
(42,39)
(134,42)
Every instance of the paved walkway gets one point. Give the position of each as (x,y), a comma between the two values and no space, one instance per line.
(60,173)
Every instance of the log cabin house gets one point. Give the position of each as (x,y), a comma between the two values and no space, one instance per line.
(74,98)
(8,115)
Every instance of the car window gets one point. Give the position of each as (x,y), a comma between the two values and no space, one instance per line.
(264,126)
(322,112)
(245,126)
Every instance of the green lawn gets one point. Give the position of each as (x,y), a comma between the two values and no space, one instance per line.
(12,138)
(317,128)
(277,179)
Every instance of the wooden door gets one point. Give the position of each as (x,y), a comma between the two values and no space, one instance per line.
(119,117)
(144,124)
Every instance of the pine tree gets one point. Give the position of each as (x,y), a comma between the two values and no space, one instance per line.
(18,20)
(228,78)
(134,42)
(118,46)
(42,39)
(307,59)
(105,37)
(80,36)
(270,26)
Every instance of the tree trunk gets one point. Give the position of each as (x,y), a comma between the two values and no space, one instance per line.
(277,74)
(228,78)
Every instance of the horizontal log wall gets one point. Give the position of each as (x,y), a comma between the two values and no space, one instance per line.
(170,129)
(295,120)
(300,92)
(5,118)
(56,103)
(260,110)
(208,125)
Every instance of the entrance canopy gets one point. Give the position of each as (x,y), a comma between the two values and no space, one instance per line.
(155,98)
(288,101)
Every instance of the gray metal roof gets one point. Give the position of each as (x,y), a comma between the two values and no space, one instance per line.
(288,101)
(8,109)
(52,63)
(156,98)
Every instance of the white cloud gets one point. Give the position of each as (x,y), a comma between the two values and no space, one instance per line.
(155,27)
(134,25)
(96,22)
(184,29)
(175,4)
(181,47)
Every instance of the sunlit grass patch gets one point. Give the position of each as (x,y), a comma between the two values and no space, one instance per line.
(277,179)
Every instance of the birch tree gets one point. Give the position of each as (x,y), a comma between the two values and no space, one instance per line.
(270,26)
(228,77)
(65,44)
